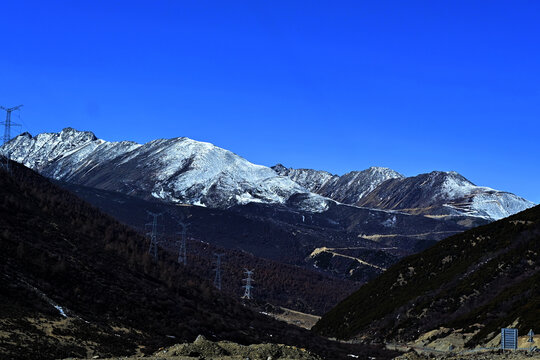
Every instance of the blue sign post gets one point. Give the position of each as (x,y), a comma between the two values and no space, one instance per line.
(509,339)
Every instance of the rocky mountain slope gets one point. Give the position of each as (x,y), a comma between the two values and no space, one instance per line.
(444,193)
(271,216)
(181,170)
(75,282)
(288,235)
(475,283)
(178,170)
(242,241)
(437,193)
(348,189)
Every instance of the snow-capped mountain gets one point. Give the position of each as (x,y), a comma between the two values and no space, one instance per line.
(436,193)
(347,189)
(181,170)
(178,170)
(444,193)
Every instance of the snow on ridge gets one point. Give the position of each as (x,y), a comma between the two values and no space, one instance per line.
(385,171)
(482,201)
(185,170)
(347,189)
(211,167)
(177,170)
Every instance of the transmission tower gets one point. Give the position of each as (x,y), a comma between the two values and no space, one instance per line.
(182,257)
(217,279)
(248,286)
(7,131)
(153,250)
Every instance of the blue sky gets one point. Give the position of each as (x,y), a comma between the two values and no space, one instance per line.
(336,85)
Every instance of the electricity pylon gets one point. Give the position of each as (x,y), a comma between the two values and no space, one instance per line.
(7,131)
(153,250)
(217,278)
(182,257)
(248,286)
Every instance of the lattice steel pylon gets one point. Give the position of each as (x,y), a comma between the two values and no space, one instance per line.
(182,251)
(153,249)
(217,278)
(7,131)
(248,286)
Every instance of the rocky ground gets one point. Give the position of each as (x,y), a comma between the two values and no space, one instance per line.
(491,355)
(293,317)
(205,349)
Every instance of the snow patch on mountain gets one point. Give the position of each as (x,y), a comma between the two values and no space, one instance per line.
(182,170)
(467,198)
(346,189)
(313,180)
(179,170)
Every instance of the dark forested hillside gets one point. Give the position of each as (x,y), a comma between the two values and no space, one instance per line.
(285,235)
(480,280)
(281,284)
(75,282)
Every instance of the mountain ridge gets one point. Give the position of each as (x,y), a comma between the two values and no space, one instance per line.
(174,170)
(474,282)
(437,193)
(349,188)
(76,283)
(182,170)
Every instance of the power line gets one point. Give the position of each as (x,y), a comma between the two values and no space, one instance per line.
(153,250)
(182,252)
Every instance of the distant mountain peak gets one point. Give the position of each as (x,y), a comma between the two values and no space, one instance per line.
(348,188)
(378,171)
(382,169)
(25,134)
(444,193)
(71,132)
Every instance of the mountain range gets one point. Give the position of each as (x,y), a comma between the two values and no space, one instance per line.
(70,268)
(75,282)
(351,226)
(181,170)
(437,193)
(178,170)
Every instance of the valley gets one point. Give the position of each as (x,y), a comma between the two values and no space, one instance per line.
(270,180)
(77,282)
(312,250)
(479,281)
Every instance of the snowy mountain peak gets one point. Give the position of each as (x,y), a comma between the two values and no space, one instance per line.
(444,193)
(70,132)
(389,173)
(280,169)
(183,170)
(348,188)
(448,174)
(25,134)
(178,170)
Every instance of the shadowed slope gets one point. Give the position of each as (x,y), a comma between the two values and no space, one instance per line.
(61,256)
(487,276)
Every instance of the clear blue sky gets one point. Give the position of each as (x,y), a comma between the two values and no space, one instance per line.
(336,85)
